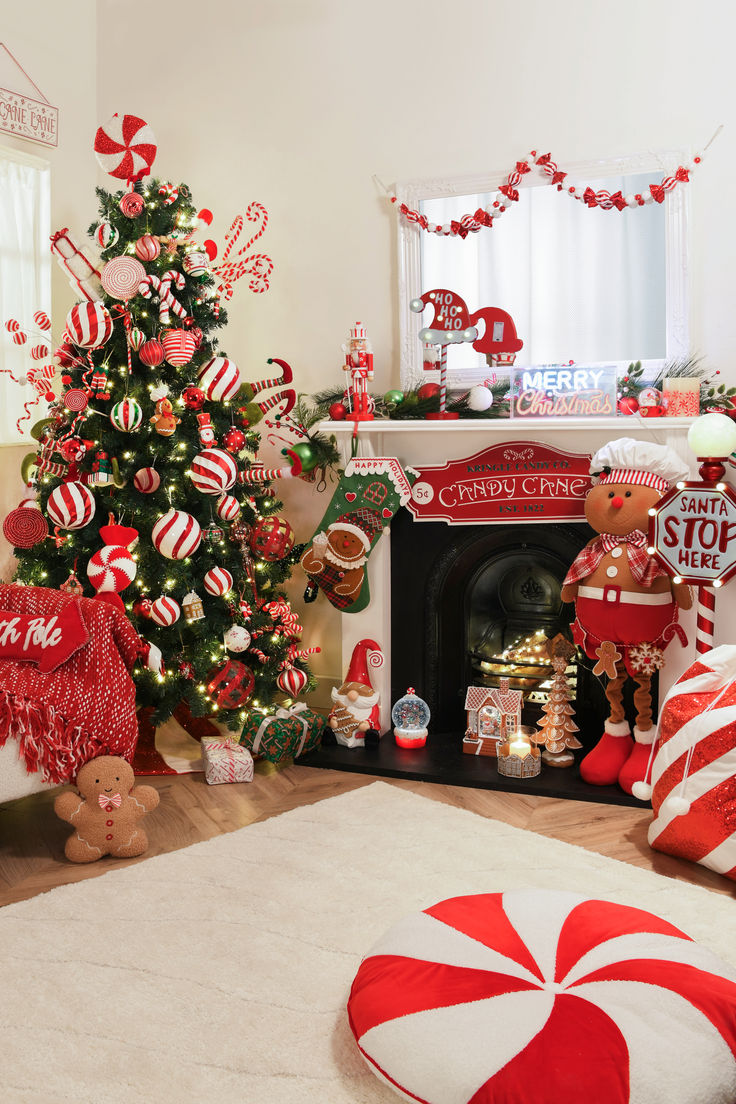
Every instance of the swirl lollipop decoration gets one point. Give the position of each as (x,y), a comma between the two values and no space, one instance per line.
(126,147)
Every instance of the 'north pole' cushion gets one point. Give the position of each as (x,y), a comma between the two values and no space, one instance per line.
(545,997)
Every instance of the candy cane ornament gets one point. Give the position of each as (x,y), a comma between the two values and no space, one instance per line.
(257,265)
(154,287)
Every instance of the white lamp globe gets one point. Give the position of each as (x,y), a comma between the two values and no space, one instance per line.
(712,436)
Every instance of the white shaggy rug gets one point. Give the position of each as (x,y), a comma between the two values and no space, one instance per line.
(220,973)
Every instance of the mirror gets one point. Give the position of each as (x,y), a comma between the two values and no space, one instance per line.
(584,285)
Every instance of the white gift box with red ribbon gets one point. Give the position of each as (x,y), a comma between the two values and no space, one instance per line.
(226,761)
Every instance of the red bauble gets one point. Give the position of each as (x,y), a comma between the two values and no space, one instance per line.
(628,405)
(152,353)
(233,439)
(272,538)
(651,411)
(292,681)
(338,411)
(428,391)
(193,397)
(231,684)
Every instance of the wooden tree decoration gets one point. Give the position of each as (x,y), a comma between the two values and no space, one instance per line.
(557,726)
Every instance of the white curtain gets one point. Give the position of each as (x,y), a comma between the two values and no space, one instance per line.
(580,284)
(25,281)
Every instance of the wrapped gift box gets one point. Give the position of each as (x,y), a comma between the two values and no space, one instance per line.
(285,734)
(226,761)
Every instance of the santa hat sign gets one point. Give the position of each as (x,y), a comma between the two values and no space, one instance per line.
(366,654)
(638,463)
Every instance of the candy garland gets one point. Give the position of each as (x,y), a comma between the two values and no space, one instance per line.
(545,166)
(39,376)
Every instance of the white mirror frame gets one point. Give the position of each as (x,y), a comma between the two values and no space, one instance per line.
(412,192)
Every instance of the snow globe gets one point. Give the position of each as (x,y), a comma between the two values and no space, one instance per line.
(410,716)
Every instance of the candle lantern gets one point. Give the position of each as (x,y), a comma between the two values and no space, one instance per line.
(518,757)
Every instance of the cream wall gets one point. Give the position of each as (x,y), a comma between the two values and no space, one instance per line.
(297,104)
(60,56)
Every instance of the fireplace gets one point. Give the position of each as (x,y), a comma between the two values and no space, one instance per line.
(459,605)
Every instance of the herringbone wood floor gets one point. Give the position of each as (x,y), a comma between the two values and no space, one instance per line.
(32,837)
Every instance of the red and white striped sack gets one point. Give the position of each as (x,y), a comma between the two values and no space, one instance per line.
(694,768)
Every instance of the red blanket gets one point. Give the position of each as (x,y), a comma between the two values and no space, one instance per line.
(84,708)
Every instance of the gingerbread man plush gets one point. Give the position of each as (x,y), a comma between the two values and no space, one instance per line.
(626,607)
(106,812)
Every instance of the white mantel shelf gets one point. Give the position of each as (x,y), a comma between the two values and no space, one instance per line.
(656,427)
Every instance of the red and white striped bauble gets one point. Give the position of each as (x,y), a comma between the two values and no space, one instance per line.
(218,581)
(196,264)
(292,681)
(213,471)
(126,415)
(165,611)
(146,480)
(89,325)
(112,568)
(106,235)
(219,378)
(227,508)
(147,248)
(136,338)
(176,535)
(39,352)
(71,505)
(151,353)
(179,347)
(693,793)
(517,996)
(42,320)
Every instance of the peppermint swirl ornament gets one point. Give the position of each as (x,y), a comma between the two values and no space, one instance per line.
(219,378)
(25,527)
(111,569)
(121,276)
(125,147)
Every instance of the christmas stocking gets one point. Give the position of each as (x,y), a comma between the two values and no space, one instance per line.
(368,496)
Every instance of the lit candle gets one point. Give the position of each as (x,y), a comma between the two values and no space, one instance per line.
(519,746)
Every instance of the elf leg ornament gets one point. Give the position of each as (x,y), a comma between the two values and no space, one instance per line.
(368,496)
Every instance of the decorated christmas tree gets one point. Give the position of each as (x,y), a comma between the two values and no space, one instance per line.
(556,724)
(147,467)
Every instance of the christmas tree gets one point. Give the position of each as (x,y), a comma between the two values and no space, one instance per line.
(147,466)
(556,723)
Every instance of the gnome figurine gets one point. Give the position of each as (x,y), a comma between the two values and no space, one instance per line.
(626,606)
(354,718)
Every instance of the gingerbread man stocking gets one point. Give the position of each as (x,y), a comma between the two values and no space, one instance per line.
(369,494)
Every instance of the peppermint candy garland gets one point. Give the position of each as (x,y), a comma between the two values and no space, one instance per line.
(543,164)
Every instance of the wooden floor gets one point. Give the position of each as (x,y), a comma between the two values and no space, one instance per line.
(32,837)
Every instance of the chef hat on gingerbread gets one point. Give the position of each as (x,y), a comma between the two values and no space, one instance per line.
(638,462)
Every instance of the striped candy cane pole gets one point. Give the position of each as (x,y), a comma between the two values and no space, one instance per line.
(705,624)
(443,379)
(151,285)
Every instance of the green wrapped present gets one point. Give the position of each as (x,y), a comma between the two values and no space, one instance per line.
(284,734)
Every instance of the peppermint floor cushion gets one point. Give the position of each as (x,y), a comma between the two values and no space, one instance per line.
(545,997)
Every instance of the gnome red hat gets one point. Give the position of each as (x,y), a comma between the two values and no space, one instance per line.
(362,523)
(366,654)
(639,463)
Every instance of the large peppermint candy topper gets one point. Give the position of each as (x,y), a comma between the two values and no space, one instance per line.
(126,147)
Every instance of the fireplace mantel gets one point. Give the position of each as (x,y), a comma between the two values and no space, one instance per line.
(420,442)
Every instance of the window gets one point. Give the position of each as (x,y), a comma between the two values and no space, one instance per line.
(25,280)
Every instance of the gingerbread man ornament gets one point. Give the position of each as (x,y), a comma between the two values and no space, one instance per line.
(626,607)
(106,812)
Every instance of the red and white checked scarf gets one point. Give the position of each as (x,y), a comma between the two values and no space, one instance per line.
(644,568)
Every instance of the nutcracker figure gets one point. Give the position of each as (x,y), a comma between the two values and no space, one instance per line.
(359,363)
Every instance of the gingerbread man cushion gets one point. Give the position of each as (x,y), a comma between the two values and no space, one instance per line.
(107,811)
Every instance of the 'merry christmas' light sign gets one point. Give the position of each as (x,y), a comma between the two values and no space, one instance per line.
(564,390)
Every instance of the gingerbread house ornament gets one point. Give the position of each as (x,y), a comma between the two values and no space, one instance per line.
(493,715)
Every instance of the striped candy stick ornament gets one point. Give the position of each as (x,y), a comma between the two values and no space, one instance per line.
(705,623)
(160,287)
